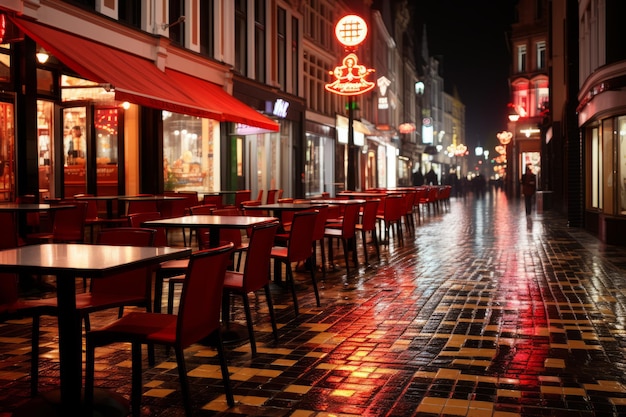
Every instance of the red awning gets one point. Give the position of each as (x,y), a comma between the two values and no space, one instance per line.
(138,80)
(209,95)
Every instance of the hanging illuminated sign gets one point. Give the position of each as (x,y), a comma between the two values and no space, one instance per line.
(350,77)
(351,31)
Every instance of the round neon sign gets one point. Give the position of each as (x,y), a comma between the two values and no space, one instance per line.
(351,30)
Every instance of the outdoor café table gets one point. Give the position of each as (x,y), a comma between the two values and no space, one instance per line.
(160,199)
(108,199)
(232,332)
(338,202)
(22,208)
(67,261)
(212,222)
(362,195)
(277,209)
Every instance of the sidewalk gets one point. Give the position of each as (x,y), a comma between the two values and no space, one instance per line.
(482,312)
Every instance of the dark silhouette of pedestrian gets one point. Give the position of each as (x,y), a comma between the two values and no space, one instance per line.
(418,177)
(431,177)
(529,186)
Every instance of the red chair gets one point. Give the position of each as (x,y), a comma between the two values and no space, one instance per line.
(392,215)
(346,231)
(9,237)
(213,199)
(240,197)
(198,318)
(68,224)
(259,196)
(93,219)
(137,219)
(421,194)
(271,196)
(299,249)
(130,288)
(368,224)
(255,276)
(142,206)
(177,208)
(33,218)
(409,202)
(174,268)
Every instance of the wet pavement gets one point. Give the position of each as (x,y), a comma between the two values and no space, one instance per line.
(482,311)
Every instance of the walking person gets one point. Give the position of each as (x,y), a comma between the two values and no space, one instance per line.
(529,186)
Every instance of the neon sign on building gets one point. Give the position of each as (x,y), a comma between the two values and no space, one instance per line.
(350,76)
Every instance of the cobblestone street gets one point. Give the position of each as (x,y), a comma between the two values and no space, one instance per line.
(481,311)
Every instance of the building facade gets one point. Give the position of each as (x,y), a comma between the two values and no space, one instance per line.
(108,97)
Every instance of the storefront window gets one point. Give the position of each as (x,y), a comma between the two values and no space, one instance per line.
(621,128)
(596,166)
(5,65)
(190,153)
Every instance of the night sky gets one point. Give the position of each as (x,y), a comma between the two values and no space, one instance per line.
(470,38)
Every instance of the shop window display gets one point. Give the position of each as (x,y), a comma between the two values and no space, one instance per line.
(188,149)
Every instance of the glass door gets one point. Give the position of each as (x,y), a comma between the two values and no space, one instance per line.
(74,131)
(108,121)
(92,149)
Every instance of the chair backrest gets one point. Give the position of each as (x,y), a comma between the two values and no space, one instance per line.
(300,246)
(226,235)
(320,222)
(368,218)
(132,283)
(136,219)
(9,291)
(192,197)
(173,208)
(8,237)
(32,218)
(69,223)
(350,219)
(256,271)
(259,196)
(202,209)
(271,196)
(199,312)
(394,205)
(92,206)
(241,196)
(409,200)
(213,199)
(141,206)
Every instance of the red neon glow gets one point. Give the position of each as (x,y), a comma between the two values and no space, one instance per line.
(3,27)
(350,78)
(351,30)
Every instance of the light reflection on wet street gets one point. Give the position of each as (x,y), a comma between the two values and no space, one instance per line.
(482,311)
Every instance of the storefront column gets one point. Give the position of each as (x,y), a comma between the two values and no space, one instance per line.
(27,152)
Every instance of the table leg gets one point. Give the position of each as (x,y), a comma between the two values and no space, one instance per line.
(214,237)
(67,400)
(70,344)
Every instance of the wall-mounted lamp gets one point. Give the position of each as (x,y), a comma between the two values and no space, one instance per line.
(172,24)
(42,56)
